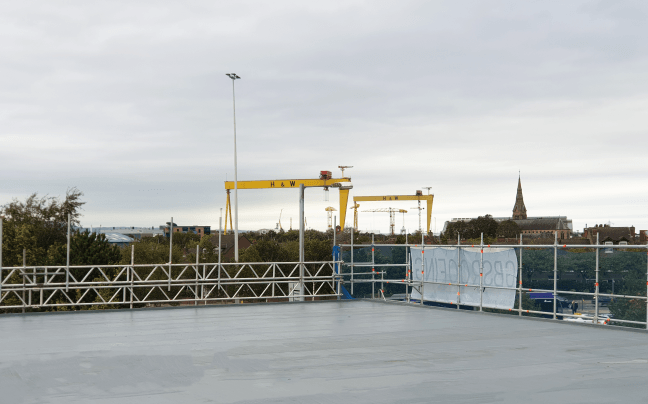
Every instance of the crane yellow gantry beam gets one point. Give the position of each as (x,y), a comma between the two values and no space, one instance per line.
(391,198)
(289,184)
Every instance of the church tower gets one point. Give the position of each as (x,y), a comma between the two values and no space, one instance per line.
(519,210)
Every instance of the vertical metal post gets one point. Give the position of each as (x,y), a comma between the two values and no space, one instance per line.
(125,285)
(1,220)
(236,235)
(555,288)
(67,261)
(382,281)
(336,267)
(132,274)
(220,226)
(373,267)
(646,286)
(458,270)
(596,290)
(352,265)
(334,229)
(301,242)
(422,271)
(197,266)
(520,280)
(407,268)
(24,271)
(170,251)
(481,273)
(202,287)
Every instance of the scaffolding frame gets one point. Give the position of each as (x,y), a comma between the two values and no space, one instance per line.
(410,284)
(134,285)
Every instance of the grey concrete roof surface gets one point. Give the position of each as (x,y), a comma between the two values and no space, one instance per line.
(321,352)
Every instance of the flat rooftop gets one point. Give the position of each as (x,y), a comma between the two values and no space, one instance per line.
(315,352)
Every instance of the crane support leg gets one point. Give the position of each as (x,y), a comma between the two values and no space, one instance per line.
(228,211)
(344,199)
(429,214)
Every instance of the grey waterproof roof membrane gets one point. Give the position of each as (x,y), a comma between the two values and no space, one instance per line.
(320,352)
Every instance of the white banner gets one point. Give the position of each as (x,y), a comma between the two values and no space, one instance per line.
(441,264)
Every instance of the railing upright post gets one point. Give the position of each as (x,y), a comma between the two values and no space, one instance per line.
(204,279)
(373,267)
(220,226)
(596,285)
(125,285)
(458,270)
(407,268)
(337,269)
(67,261)
(422,271)
(170,251)
(24,272)
(520,281)
(301,243)
(555,280)
(334,230)
(196,287)
(352,281)
(1,219)
(481,273)
(132,274)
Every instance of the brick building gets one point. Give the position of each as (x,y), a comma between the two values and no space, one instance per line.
(607,233)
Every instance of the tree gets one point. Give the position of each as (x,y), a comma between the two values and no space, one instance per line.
(36,225)
(454,229)
(85,249)
(471,230)
(483,224)
(152,250)
(508,229)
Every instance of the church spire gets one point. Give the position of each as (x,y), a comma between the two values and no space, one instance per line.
(519,210)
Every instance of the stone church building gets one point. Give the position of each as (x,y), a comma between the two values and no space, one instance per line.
(541,226)
(538,226)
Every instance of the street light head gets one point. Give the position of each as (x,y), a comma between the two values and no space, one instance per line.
(232,76)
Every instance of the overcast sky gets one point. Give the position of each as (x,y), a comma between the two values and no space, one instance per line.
(128,101)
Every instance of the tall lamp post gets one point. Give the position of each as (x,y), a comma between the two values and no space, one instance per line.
(235,77)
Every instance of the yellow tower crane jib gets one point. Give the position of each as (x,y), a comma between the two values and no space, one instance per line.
(343,184)
(392,198)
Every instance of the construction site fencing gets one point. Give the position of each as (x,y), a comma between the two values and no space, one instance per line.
(598,283)
(120,286)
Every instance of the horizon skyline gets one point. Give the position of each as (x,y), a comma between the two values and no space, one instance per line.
(129,102)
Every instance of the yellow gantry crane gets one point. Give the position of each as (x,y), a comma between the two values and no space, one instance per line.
(391,198)
(325,180)
(392,216)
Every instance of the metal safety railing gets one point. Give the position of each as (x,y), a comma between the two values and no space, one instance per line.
(354,273)
(115,286)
